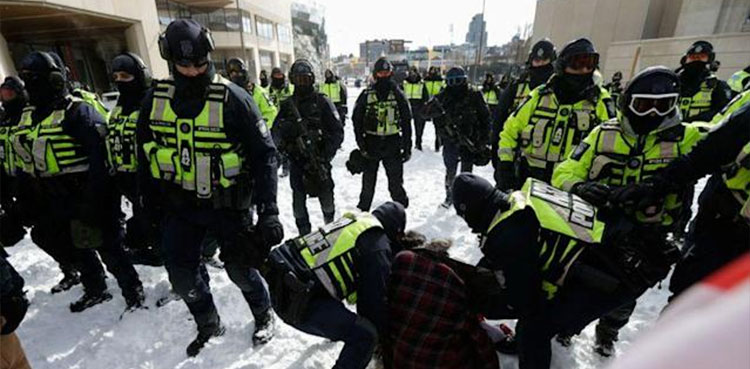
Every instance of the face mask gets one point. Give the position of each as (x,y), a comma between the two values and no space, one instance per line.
(277,82)
(457,90)
(40,91)
(694,69)
(193,87)
(539,75)
(130,93)
(329,78)
(13,107)
(303,90)
(575,84)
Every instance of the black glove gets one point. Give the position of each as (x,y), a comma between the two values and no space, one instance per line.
(270,228)
(13,310)
(405,155)
(594,192)
(505,177)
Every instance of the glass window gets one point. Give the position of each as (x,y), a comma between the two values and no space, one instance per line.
(285,35)
(232,20)
(247,23)
(202,18)
(162,10)
(265,28)
(217,20)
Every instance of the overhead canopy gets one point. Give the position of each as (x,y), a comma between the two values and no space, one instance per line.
(40,23)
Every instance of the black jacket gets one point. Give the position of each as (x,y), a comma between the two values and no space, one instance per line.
(374,144)
(13,304)
(321,121)
(475,127)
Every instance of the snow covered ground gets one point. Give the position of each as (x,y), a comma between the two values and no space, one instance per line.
(157,337)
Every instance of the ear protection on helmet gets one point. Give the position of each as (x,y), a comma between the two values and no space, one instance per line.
(56,75)
(206,40)
(142,66)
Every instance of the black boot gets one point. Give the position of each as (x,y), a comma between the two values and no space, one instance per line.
(213,261)
(195,347)
(328,218)
(134,299)
(604,346)
(88,300)
(71,277)
(264,327)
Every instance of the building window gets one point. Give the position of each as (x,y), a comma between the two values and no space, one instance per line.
(247,23)
(217,20)
(285,35)
(162,10)
(265,27)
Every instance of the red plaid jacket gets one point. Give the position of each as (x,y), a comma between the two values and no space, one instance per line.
(431,326)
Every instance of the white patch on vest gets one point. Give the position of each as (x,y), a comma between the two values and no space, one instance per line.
(185,157)
(581,213)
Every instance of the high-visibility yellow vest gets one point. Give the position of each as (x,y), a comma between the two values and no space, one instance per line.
(93,100)
(433,87)
(43,149)
(332,90)
(736,103)
(7,155)
(490,97)
(522,91)
(194,154)
(568,224)
(381,117)
(690,106)
(413,91)
(280,94)
(737,178)
(735,81)
(121,146)
(331,254)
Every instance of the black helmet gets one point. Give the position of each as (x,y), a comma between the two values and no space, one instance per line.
(382,65)
(650,100)
(543,49)
(301,73)
(456,76)
(132,64)
(16,85)
(700,47)
(186,42)
(477,201)
(392,217)
(237,72)
(581,46)
(356,163)
(617,76)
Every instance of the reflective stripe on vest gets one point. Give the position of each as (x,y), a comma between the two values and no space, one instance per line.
(279,95)
(433,87)
(735,81)
(691,106)
(617,163)
(382,116)
(737,179)
(550,135)
(44,150)
(413,91)
(522,91)
(570,225)
(194,153)
(7,155)
(330,253)
(121,145)
(93,100)
(333,91)
(490,97)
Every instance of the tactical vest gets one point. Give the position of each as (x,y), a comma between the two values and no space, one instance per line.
(382,117)
(278,95)
(522,91)
(7,155)
(195,154)
(691,106)
(737,178)
(93,100)
(490,97)
(331,254)
(43,149)
(617,163)
(735,81)
(433,87)
(121,146)
(736,103)
(333,91)
(413,91)
(551,134)
(568,225)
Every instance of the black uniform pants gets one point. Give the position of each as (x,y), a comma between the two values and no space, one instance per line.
(419,122)
(299,200)
(394,169)
(142,228)
(342,110)
(451,157)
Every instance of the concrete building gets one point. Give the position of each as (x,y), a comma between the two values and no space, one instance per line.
(371,50)
(633,34)
(477,34)
(310,38)
(88,34)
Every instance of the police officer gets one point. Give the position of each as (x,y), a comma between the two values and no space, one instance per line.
(539,68)
(702,94)
(615,87)
(433,83)
(237,73)
(132,78)
(335,90)
(558,273)
(347,259)
(59,143)
(721,229)
(490,92)
(279,90)
(309,132)
(263,79)
(382,128)
(206,156)
(626,151)
(554,118)
(740,80)
(415,91)
(462,122)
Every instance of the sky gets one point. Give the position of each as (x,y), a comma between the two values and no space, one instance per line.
(425,22)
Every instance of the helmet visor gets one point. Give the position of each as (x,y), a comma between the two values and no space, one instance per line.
(455,80)
(645,104)
(383,74)
(581,61)
(697,57)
